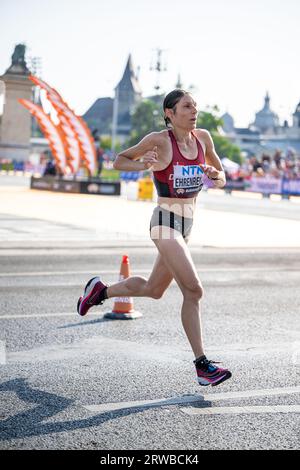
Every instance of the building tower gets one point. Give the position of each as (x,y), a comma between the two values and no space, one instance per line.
(179,84)
(16,121)
(127,95)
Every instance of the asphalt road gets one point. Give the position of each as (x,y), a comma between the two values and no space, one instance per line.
(87,383)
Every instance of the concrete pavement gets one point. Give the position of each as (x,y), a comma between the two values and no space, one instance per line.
(88,383)
(220,221)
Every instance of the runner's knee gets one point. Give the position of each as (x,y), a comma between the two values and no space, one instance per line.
(194,291)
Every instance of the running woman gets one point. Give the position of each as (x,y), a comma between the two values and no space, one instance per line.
(178,157)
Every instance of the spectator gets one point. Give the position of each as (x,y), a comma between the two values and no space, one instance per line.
(50,169)
(100,158)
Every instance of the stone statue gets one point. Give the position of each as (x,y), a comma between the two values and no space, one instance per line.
(18,56)
(18,63)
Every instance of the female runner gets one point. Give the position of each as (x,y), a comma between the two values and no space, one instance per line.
(178,157)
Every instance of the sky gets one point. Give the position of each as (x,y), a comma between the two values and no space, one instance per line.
(230,51)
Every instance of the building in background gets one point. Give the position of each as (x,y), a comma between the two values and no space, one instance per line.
(112,116)
(265,134)
(128,94)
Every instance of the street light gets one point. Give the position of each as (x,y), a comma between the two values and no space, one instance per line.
(115,120)
(154,114)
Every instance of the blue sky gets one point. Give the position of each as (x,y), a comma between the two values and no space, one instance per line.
(231,51)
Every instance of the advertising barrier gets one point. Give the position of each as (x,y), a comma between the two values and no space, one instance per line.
(290,187)
(265,185)
(102,188)
(236,185)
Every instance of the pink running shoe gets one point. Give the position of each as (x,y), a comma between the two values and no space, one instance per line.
(94,294)
(207,374)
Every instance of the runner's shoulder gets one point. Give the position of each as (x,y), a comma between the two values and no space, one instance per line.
(203,134)
(159,137)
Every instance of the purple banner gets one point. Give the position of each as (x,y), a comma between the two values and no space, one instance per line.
(265,185)
(291,187)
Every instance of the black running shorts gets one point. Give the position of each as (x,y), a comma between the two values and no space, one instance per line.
(167,218)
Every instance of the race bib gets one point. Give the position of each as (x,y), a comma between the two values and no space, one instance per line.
(187,178)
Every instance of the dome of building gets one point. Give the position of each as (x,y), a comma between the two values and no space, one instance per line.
(266,119)
(296,116)
(228,122)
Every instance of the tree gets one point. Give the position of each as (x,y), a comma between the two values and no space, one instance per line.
(146,118)
(210,121)
(105,143)
(225,148)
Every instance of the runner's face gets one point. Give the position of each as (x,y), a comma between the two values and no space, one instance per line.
(185,115)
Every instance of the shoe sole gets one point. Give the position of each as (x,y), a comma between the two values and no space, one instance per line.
(79,302)
(204,382)
(225,377)
(88,290)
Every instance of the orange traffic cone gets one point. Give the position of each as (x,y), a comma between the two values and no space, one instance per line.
(123,306)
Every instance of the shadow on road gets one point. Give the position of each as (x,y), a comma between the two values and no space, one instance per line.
(29,423)
(83,323)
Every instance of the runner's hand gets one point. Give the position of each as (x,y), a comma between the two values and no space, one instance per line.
(210,171)
(150,158)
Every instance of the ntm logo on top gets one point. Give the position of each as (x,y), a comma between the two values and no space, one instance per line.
(190,170)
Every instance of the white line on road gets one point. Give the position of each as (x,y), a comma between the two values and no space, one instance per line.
(107,407)
(2,352)
(41,315)
(63,273)
(138,270)
(237,410)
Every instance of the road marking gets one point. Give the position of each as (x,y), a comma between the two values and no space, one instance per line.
(63,273)
(89,347)
(2,352)
(237,410)
(146,270)
(131,349)
(188,399)
(42,315)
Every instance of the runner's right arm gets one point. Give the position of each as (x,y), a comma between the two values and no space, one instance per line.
(145,150)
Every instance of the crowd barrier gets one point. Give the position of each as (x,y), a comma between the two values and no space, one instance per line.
(264,185)
(89,186)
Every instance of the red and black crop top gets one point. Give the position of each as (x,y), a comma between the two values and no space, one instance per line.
(183,177)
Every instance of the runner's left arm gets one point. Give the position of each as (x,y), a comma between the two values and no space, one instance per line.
(213,167)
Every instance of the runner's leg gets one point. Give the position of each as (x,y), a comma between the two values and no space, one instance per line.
(137,286)
(178,260)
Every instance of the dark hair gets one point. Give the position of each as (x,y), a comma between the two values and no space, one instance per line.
(171,100)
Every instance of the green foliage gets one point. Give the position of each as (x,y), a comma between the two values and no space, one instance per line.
(110,174)
(146,118)
(225,148)
(210,121)
(105,143)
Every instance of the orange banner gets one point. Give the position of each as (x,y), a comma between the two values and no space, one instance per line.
(51,133)
(74,129)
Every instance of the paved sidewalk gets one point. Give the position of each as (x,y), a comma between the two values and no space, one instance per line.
(60,216)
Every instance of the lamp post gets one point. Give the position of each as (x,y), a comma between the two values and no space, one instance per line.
(115,120)
(154,114)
